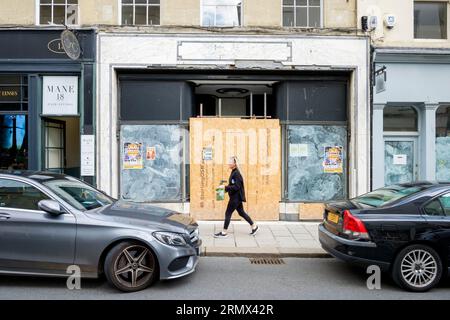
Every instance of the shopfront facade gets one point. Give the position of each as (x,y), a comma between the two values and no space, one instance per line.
(172,108)
(411,116)
(46,100)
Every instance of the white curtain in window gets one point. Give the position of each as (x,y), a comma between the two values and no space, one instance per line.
(222,12)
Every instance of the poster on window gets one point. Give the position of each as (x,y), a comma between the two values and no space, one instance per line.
(333,160)
(150,153)
(132,156)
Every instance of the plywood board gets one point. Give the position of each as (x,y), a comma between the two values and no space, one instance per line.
(256,143)
(311,211)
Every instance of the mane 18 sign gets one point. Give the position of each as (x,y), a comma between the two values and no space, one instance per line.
(60,95)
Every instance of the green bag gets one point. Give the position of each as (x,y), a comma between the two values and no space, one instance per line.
(220,193)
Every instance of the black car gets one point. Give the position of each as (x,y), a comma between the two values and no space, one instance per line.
(404,229)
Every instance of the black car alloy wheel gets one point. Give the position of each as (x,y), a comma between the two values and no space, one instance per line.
(417,268)
(130,267)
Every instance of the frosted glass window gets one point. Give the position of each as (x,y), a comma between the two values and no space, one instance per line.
(157,175)
(443,143)
(307,179)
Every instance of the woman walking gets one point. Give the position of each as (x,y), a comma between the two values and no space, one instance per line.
(236,192)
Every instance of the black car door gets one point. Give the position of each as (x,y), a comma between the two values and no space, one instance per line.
(31,240)
(437,214)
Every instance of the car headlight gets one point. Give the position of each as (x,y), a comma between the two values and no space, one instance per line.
(170,238)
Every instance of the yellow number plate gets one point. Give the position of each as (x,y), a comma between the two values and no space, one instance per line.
(332,217)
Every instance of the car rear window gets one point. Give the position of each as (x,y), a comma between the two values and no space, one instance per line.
(387,195)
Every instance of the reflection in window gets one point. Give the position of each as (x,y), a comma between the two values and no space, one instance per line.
(140,12)
(221,13)
(302,13)
(58,12)
(13,141)
(19,195)
(430,20)
(400,119)
(443,143)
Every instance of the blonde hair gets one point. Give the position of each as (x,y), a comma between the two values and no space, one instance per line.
(234,159)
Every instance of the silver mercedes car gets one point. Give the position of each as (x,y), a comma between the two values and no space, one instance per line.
(49,222)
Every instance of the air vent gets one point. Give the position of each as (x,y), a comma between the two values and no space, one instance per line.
(266,261)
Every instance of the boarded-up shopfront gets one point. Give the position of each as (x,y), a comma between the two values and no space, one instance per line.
(257,145)
(297,104)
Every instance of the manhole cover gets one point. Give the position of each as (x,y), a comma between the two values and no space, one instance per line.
(266,261)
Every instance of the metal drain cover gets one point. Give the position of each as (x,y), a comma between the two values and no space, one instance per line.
(266,261)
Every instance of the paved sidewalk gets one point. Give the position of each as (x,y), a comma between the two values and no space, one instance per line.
(279,238)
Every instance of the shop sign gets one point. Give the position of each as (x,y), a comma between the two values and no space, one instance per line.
(87,155)
(132,156)
(60,95)
(333,160)
(10,94)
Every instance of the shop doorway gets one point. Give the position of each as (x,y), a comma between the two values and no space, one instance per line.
(400,160)
(61,145)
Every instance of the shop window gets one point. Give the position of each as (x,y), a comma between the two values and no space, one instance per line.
(61,12)
(155,100)
(317,164)
(430,20)
(19,195)
(151,163)
(443,143)
(13,141)
(13,122)
(302,13)
(312,101)
(400,119)
(13,93)
(141,12)
(221,13)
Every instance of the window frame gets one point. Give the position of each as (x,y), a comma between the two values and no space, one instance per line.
(405,133)
(295,15)
(423,211)
(67,208)
(446,38)
(31,185)
(215,26)
(119,18)
(38,13)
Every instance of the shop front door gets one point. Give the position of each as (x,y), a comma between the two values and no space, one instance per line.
(54,145)
(400,160)
(257,145)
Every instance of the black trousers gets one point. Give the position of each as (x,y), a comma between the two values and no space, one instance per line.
(235,205)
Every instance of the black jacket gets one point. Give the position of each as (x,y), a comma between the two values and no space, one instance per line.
(235,187)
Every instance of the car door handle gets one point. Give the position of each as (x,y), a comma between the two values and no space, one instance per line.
(4,216)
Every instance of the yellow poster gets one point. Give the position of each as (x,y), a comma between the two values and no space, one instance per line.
(132,156)
(333,161)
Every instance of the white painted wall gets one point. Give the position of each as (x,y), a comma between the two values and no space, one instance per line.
(125,50)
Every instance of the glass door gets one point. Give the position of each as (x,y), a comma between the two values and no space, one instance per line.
(54,145)
(400,160)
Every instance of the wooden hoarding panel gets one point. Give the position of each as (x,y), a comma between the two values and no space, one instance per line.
(256,143)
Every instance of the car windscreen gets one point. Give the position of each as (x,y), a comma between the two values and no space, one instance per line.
(387,195)
(78,194)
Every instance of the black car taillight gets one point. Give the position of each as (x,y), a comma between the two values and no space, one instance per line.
(354,227)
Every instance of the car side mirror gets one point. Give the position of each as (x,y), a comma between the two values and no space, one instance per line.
(50,206)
